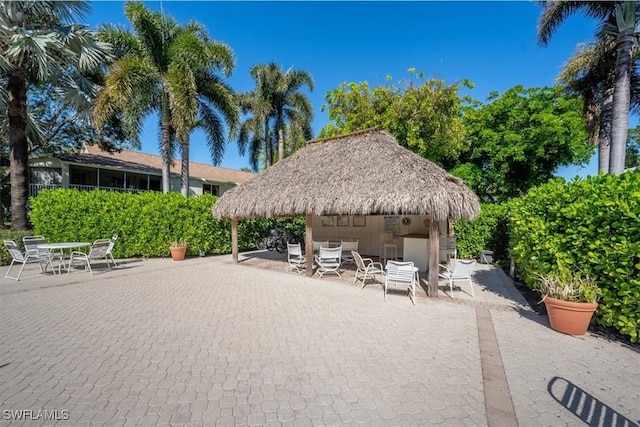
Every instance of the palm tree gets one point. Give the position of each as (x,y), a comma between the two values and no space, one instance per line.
(290,106)
(216,105)
(39,43)
(624,31)
(589,74)
(254,132)
(162,67)
(618,90)
(275,106)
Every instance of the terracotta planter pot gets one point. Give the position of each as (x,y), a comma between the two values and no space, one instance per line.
(178,252)
(568,317)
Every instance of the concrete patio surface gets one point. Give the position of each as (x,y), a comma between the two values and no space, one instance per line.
(206,341)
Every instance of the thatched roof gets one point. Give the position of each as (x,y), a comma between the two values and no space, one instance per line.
(363,173)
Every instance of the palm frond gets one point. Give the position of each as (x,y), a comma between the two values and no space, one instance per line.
(212,126)
(222,57)
(151,29)
(123,42)
(88,50)
(221,96)
(556,12)
(189,50)
(183,97)
(38,52)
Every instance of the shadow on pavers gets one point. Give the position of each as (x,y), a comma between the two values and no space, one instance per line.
(585,406)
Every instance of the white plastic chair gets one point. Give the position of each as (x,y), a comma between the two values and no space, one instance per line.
(329,260)
(366,267)
(401,272)
(31,244)
(347,249)
(99,250)
(318,244)
(462,270)
(110,248)
(295,258)
(486,257)
(25,258)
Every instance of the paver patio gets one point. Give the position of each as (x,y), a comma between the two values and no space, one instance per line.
(209,342)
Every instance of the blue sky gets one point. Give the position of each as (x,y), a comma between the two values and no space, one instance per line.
(493,44)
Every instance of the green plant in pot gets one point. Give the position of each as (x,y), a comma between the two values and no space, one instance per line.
(570,300)
(178,249)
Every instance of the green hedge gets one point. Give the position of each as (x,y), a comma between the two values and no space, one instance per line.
(146,222)
(487,232)
(590,226)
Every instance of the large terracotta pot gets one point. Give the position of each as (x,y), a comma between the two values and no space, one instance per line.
(178,252)
(569,317)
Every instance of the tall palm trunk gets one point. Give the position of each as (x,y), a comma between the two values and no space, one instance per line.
(604,134)
(621,101)
(267,144)
(280,144)
(18,148)
(165,150)
(184,170)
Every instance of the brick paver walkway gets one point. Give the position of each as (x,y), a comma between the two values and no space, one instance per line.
(208,342)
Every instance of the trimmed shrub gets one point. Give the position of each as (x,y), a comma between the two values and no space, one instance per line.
(145,222)
(591,227)
(487,232)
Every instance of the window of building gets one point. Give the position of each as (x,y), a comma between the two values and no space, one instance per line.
(79,175)
(155,183)
(211,189)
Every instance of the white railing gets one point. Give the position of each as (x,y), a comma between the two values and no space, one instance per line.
(34,189)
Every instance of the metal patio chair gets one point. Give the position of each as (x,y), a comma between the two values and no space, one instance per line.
(295,258)
(404,273)
(17,257)
(366,267)
(31,244)
(462,270)
(347,249)
(329,260)
(99,250)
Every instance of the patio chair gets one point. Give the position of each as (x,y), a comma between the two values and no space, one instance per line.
(25,258)
(366,266)
(486,257)
(329,260)
(401,272)
(295,258)
(98,250)
(111,245)
(31,246)
(347,249)
(462,270)
(318,244)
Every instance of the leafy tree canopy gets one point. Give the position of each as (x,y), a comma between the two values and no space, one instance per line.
(424,116)
(519,139)
(62,131)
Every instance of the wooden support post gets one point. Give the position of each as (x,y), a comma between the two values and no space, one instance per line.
(434,257)
(308,244)
(234,239)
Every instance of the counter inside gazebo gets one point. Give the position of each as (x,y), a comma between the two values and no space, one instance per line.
(361,173)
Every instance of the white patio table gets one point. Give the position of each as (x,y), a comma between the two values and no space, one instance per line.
(62,246)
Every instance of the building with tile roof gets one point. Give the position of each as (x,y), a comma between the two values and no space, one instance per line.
(126,171)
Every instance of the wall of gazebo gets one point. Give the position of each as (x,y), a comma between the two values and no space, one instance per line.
(367,230)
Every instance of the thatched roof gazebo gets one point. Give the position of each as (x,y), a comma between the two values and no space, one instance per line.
(361,173)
